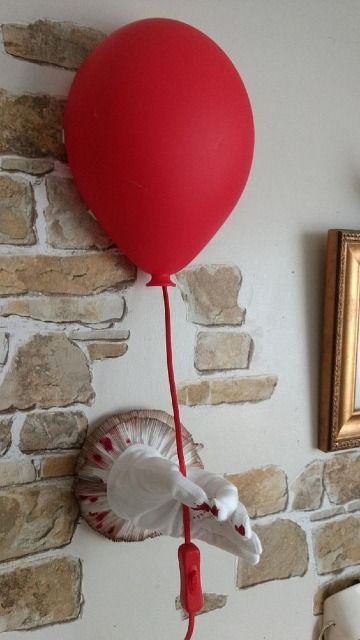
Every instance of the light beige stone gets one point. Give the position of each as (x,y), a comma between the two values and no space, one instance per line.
(212,601)
(16,472)
(227,390)
(35,518)
(210,293)
(216,350)
(100,334)
(194,393)
(63,44)
(342,478)
(4,346)
(85,309)
(40,592)
(58,466)
(46,371)
(262,490)
(33,166)
(101,350)
(337,544)
(308,487)
(250,389)
(89,273)
(285,554)
(53,430)
(31,125)
(17,212)
(69,225)
(325,514)
(5,435)
(330,588)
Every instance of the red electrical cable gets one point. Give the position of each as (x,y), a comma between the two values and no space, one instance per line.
(175,405)
(190,627)
(178,430)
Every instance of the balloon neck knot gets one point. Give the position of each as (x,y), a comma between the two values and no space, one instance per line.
(160,280)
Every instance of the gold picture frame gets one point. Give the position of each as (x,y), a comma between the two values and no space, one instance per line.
(340,371)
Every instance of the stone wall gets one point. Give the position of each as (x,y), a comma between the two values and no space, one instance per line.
(63,306)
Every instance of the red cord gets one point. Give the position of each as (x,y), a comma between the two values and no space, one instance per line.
(178,430)
(190,627)
(175,405)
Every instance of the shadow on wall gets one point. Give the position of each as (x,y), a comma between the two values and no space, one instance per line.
(314,256)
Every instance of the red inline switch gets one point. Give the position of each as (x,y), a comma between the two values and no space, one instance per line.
(191,596)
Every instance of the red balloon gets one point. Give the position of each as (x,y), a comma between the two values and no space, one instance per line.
(159,135)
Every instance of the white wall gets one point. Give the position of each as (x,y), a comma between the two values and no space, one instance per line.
(300,63)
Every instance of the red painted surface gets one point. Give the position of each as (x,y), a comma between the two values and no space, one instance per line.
(240,529)
(159,134)
(107,443)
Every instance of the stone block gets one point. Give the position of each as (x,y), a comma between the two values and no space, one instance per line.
(39,593)
(35,518)
(48,430)
(212,601)
(101,350)
(46,371)
(262,491)
(227,390)
(16,472)
(63,44)
(342,478)
(337,544)
(31,125)
(194,393)
(67,308)
(74,274)
(17,212)
(69,225)
(250,389)
(220,350)
(33,166)
(59,466)
(210,293)
(285,554)
(308,488)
